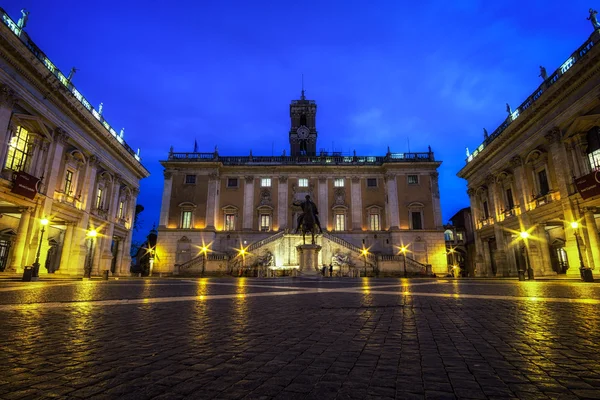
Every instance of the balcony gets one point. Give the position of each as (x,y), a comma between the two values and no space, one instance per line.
(68,198)
(511,212)
(483,222)
(538,200)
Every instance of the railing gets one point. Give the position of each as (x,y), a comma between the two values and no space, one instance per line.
(349,246)
(321,159)
(538,200)
(575,57)
(411,262)
(485,222)
(511,212)
(265,241)
(64,80)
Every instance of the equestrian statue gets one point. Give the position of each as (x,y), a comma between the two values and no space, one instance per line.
(308,221)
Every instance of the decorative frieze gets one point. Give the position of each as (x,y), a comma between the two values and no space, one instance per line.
(8,97)
(355,179)
(167,174)
(553,136)
(516,162)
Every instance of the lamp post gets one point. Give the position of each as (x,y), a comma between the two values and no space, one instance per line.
(35,273)
(364,253)
(586,273)
(403,250)
(91,234)
(203,250)
(525,235)
(242,252)
(451,251)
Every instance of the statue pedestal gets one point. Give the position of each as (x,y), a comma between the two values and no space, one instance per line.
(308,255)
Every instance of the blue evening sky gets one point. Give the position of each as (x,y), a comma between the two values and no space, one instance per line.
(382,72)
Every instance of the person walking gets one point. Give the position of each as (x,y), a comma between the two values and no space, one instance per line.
(330,270)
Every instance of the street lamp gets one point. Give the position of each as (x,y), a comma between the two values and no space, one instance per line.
(242,252)
(364,253)
(403,250)
(525,235)
(91,234)
(586,273)
(452,251)
(36,265)
(203,250)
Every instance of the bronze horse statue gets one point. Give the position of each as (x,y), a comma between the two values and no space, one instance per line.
(308,221)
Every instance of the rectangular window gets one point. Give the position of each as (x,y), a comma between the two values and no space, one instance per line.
(19,151)
(460,236)
(265,222)
(543,180)
(99,198)
(340,222)
(595,160)
(303,182)
(190,179)
(68,182)
(510,203)
(371,182)
(415,217)
(413,179)
(232,182)
(338,182)
(121,208)
(186,220)
(374,222)
(265,182)
(486,211)
(230,222)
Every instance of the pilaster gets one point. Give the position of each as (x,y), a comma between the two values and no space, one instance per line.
(21,241)
(435,194)
(356,199)
(248,203)
(66,266)
(282,202)
(592,238)
(211,198)
(166,199)
(392,194)
(8,98)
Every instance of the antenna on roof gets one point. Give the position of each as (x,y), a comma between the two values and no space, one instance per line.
(302,97)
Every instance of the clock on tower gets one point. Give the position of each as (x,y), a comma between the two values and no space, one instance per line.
(303,132)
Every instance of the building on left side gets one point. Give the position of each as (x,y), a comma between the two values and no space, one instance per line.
(62,164)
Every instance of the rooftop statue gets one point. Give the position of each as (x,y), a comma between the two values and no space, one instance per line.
(22,22)
(485,134)
(508,109)
(594,19)
(543,73)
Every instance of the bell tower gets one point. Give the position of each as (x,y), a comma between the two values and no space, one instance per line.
(303,132)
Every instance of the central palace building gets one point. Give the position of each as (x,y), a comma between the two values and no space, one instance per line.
(370,207)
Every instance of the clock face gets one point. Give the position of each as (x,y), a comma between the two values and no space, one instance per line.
(302,132)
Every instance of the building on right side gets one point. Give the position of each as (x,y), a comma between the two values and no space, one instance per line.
(534,183)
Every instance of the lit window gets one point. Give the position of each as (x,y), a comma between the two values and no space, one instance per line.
(413,179)
(340,222)
(265,182)
(595,160)
(186,219)
(448,235)
(232,182)
(460,236)
(230,222)
(99,194)
(374,224)
(190,179)
(265,222)
(68,182)
(371,182)
(121,208)
(338,182)
(19,151)
(303,182)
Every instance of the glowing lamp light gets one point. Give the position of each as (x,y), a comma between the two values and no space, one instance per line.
(524,235)
(92,233)
(44,221)
(403,249)
(242,252)
(574,224)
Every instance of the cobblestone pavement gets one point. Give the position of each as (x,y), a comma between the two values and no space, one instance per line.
(299,338)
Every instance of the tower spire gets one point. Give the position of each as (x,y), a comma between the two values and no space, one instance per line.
(302,97)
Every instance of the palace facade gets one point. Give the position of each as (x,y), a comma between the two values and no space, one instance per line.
(69,182)
(216,208)
(533,183)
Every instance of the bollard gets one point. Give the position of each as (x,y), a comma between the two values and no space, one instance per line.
(27,273)
(587,275)
(105,275)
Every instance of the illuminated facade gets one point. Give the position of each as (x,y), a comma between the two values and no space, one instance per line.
(525,177)
(377,203)
(61,161)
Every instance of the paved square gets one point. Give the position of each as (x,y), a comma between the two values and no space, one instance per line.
(299,338)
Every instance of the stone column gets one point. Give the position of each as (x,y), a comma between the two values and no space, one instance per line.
(78,247)
(591,232)
(53,165)
(435,193)
(211,200)
(559,160)
(492,197)
(21,241)
(166,199)
(65,255)
(248,203)
(477,262)
(581,154)
(500,254)
(8,99)
(124,264)
(356,201)
(104,253)
(521,188)
(392,194)
(282,203)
